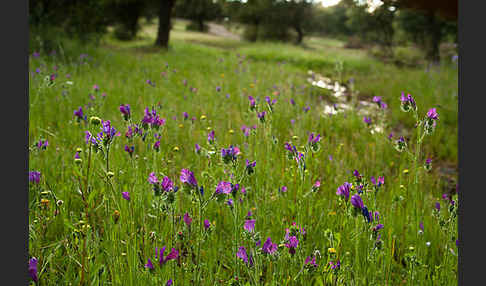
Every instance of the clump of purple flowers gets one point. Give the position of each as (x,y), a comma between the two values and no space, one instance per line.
(261,116)
(42,144)
(344,190)
(125,110)
(188,179)
(80,115)
(381,104)
(34,177)
(159,256)
(407,103)
(211,137)
(314,141)
(230,154)
(252,102)
(269,247)
(250,167)
(430,121)
(400,144)
(152,119)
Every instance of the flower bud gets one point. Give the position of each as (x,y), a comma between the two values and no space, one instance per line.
(95,120)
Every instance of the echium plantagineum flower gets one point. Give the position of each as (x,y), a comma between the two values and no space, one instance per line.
(244,256)
(335,265)
(224,188)
(80,115)
(367,214)
(108,132)
(250,167)
(381,104)
(188,179)
(292,150)
(344,190)
(246,130)
(252,102)
(430,121)
(249,225)
(211,137)
(314,141)
(269,247)
(292,243)
(428,164)
(34,177)
(129,150)
(157,146)
(261,116)
(125,110)
(367,120)
(310,261)
(187,219)
(407,103)
(400,144)
(159,255)
(270,102)
(357,202)
(377,183)
(42,144)
(230,154)
(378,227)
(33,269)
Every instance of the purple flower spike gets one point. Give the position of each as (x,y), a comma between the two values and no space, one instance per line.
(432,114)
(218,88)
(344,190)
(283,189)
(34,177)
(187,177)
(207,224)
(357,202)
(169,282)
(249,225)
(126,195)
(269,247)
(223,188)
(242,254)
(310,261)
(367,120)
(149,264)
(33,269)
(211,136)
(187,219)
(437,206)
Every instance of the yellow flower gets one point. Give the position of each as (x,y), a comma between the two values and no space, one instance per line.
(405,171)
(45,202)
(209,128)
(176,149)
(402,187)
(181,125)
(252,85)
(110,174)
(244,89)
(331,250)
(203,117)
(222,75)
(332,213)
(295,137)
(79,150)
(169,161)
(231,131)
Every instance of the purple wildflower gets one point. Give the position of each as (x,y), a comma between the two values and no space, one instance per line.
(125,110)
(309,261)
(378,227)
(357,202)
(344,190)
(34,176)
(187,177)
(432,114)
(283,189)
(198,148)
(207,224)
(367,120)
(249,225)
(149,264)
(79,114)
(230,154)
(211,137)
(129,150)
(335,265)
(292,101)
(96,87)
(269,247)
(252,102)
(153,179)
(242,254)
(218,88)
(230,202)
(314,139)
(407,102)
(149,82)
(261,116)
(421,225)
(187,219)
(437,206)
(223,188)
(167,184)
(126,195)
(169,282)
(33,269)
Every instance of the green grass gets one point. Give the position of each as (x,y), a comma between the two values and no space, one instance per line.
(116,250)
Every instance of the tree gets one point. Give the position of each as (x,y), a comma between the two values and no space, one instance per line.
(198,11)
(163,32)
(298,14)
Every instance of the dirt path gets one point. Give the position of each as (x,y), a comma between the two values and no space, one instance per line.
(221,31)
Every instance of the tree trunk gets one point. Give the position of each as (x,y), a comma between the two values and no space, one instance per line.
(165,10)
(200,24)
(300,34)
(435,36)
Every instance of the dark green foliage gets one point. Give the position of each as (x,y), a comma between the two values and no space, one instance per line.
(199,12)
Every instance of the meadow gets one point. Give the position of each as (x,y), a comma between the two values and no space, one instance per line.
(216,163)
